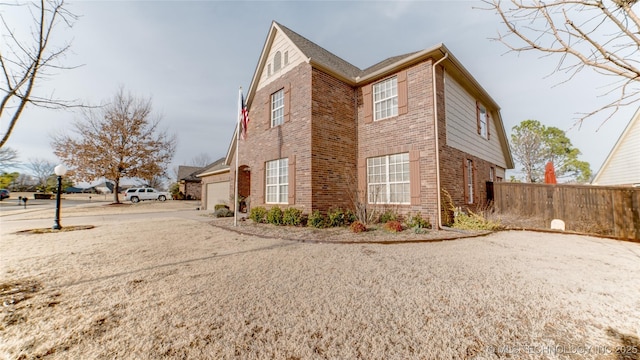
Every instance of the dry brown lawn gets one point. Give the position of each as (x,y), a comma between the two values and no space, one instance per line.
(172,287)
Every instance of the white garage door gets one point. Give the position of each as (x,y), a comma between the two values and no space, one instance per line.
(217,193)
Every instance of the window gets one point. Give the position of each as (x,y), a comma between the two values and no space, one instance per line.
(277,181)
(286,58)
(385,99)
(483,123)
(277,61)
(388,179)
(277,108)
(492,173)
(268,69)
(469,181)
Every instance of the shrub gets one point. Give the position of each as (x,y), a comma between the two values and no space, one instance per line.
(474,221)
(292,216)
(220,206)
(388,215)
(222,212)
(393,226)
(350,217)
(274,216)
(417,222)
(357,227)
(336,217)
(316,220)
(258,214)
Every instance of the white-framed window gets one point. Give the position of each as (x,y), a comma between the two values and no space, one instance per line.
(483,122)
(385,99)
(277,181)
(388,179)
(277,108)
(492,174)
(469,178)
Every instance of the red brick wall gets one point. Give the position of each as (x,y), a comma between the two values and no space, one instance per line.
(293,138)
(413,131)
(333,142)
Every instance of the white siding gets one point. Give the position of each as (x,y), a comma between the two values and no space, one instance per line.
(622,167)
(283,44)
(462,132)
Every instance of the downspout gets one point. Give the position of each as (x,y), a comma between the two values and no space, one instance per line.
(435,122)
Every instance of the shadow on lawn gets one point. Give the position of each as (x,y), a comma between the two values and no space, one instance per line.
(627,346)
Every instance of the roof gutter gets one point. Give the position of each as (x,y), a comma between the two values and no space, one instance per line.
(437,142)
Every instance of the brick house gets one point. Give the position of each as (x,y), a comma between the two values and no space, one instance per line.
(188,184)
(324,133)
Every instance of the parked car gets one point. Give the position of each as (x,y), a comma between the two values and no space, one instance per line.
(4,194)
(139,194)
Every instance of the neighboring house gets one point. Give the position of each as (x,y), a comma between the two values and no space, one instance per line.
(189,183)
(622,166)
(324,133)
(215,186)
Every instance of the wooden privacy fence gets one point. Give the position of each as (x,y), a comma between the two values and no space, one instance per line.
(604,210)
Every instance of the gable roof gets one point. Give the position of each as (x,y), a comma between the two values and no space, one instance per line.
(215,167)
(324,60)
(187,172)
(622,165)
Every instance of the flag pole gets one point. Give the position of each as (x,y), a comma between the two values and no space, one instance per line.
(235,205)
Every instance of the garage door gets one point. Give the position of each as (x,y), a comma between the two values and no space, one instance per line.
(217,193)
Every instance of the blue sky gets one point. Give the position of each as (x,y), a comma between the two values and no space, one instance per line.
(190,57)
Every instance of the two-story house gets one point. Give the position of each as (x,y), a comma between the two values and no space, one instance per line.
(324,133)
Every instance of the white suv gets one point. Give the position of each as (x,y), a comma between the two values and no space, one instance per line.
(137,194)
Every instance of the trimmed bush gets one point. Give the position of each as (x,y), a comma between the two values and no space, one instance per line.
(393,226)
(357,227)
(292,216)
(336,217)
(417,222)
(220,206)
(474,221)
(388,215)
(274,216)
(222,212)
(258,214)
(316,220)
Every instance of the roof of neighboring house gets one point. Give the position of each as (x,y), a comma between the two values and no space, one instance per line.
(622,165)
(215,167)
(187,173)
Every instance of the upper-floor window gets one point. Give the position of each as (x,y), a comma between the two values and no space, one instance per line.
(277,108)
(277,61)
(483,121)
(286,58)
(277,181)
(388,179)
(268,69)
(385,99)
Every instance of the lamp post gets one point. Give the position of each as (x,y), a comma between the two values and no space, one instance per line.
(59,170)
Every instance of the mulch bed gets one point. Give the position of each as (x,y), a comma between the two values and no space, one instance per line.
(374,235)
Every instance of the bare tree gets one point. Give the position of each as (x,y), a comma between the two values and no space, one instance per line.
(201,160)
(41,169)
(117,140)
(24,61)
(8,157)
(603,35)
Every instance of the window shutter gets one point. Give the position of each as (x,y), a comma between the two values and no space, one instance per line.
(403,97)
(474,168)
(488,125)
(292,180)
(261,190)
(465,184)
(414,176)
(367,101)
(267,106)
(478,117)
(287,102)
(362,180)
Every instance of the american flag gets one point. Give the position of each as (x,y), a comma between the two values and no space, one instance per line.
(244,118)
